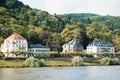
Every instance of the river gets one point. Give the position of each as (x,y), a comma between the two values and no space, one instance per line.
(62,73)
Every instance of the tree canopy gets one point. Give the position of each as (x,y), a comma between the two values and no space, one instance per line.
(54,30)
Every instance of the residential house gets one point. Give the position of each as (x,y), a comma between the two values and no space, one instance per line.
(100,46)
(38,48)
(72,46)
(15,42)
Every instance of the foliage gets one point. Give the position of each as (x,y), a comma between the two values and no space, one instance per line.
(79,16)
(1,55)
(115,61)
(19,52)
(54,30)
(76,61)
(81,54)
(55,42)
(33,62)
(105,61)
(44,36)
(110,61)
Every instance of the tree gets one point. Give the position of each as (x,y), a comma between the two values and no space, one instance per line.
(55,42)
(1,40)
(86,39)
(43,38)
(33,37)
(70,32)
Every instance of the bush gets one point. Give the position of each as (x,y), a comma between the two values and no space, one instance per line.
(70,54)
(42,63)
(33,62)
(109,61)
(114,61)
(77,61)
(1,55)
(105,61)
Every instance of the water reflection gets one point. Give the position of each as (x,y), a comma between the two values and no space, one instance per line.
(61,73)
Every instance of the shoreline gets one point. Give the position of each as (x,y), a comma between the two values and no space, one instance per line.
(49,63)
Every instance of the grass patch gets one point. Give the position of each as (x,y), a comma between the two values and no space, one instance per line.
(57,63)
(12,63)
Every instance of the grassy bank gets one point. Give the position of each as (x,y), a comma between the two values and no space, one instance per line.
(61,62)
(49,62)
(54,63)
(11,63)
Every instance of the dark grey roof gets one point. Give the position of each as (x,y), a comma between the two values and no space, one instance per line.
(101,43)
(38,46)
(80,45)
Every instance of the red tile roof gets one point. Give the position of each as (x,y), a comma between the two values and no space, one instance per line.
(15,36)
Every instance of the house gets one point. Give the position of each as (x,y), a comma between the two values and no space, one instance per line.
(15,42)
(99,46)
(72,46)
(38,48)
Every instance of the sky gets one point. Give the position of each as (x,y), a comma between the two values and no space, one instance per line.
(102,7)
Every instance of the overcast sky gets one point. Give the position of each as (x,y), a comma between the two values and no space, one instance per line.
(103,7)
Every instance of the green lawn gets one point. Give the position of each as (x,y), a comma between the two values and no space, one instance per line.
(57,63)
(50,62)
(11,63)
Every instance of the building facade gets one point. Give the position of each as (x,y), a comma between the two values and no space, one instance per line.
(38,48)
(15,42)
(72,46)
(100,46)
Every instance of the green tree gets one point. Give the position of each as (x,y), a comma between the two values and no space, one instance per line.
(55,42)
(70,32)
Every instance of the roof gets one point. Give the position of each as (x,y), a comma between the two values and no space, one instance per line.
(74,42)
(15,36)
(101,43)
(38,46)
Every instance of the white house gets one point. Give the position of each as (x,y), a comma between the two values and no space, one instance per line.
(100,46)
(38,48)
(15,42)
(72,46)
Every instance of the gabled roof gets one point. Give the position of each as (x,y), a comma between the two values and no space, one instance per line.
(74,42)
(38,46)
(15,36)
(101,43)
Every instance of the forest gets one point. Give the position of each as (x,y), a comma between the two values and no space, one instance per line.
(54,30)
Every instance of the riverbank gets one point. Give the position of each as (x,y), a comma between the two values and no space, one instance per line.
(16,63)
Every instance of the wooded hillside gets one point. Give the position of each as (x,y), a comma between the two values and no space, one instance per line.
(55,30)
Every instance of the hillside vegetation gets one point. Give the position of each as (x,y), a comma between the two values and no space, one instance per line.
(55,30)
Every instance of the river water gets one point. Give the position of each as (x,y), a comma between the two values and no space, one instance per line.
(62,73)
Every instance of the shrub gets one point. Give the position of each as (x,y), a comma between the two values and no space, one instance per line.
(77,61)
(109,61)
(114,61)
(105,61)
(33,62)
(42,63)
(1,55)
